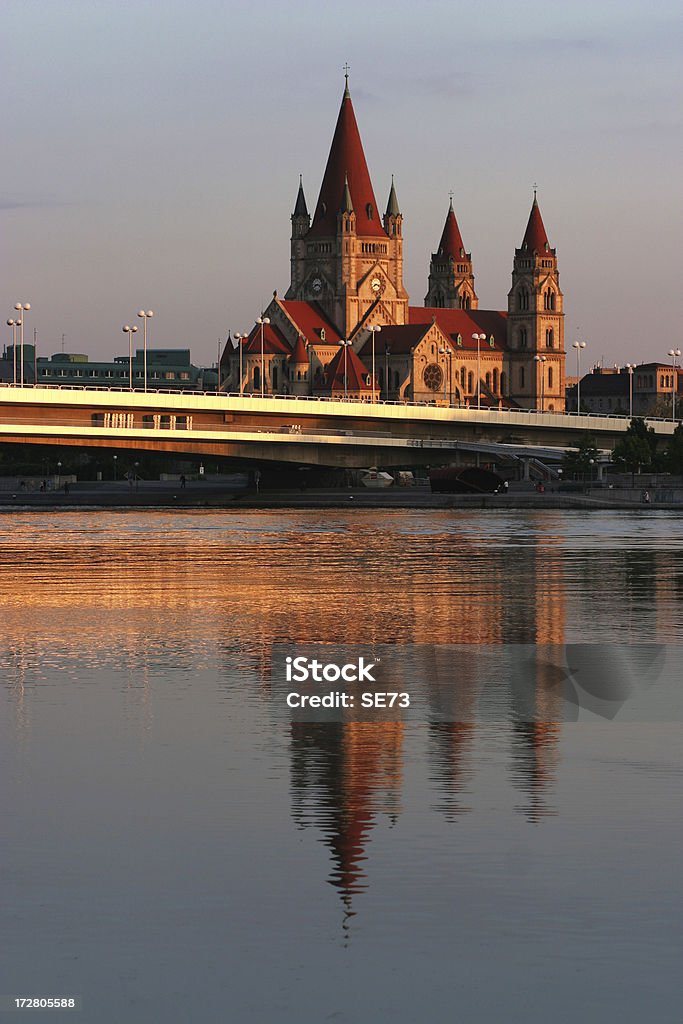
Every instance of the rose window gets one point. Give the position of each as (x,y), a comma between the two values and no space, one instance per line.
(433,377)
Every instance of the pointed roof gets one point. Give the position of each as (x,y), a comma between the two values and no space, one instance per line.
(299,353)
(346,160)
(393,209)
(451,243)
(274,341)
(535,238)
(347,202)
(300,208)
(348,364)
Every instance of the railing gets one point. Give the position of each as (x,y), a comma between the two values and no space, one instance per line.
(345,400)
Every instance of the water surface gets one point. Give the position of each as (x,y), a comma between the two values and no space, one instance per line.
(175,848)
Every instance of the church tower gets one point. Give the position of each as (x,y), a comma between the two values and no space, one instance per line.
(347,260)
(301,223)
(451,278)
(536,322)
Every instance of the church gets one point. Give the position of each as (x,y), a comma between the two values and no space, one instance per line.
(346,328)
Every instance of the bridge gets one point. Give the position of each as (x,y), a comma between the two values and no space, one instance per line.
(308,431)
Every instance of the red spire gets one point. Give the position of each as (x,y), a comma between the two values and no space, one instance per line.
(346,160)
(299,353)
(451,243)
(346,363)
(535,238)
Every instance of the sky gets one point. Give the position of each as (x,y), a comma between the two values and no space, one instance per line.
(152,152)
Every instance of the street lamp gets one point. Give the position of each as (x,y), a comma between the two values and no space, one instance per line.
(115,458)
(14,324)
(345,345)
(674,353)
(24,308)
(387,353)
(145,316)
(240,339)
(630,367)
(262,320)
(479,338)
(130,331)
(541,360)
(444,351)
(578,345)
(373,330)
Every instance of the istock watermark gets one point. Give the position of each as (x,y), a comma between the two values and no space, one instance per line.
(471,682)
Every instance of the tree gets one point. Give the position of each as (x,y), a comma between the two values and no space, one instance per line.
(673,456)
(637,449)
(579,463)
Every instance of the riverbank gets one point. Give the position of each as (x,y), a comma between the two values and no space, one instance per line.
(156,494)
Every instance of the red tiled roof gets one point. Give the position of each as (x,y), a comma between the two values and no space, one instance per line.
(346,159)
(347,363)
(535,238)
(464,322)
(299,353)
(451,243)
(273,340)
(309,320)
(399,338)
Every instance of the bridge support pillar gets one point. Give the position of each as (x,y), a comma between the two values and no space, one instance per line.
(526,469)
(601,472)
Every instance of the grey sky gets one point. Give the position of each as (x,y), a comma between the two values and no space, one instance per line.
(152,152)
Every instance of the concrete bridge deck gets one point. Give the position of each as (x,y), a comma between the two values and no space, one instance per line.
(291,429)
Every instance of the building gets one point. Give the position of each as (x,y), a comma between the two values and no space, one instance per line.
(347,277)
(647,388)
(167,369)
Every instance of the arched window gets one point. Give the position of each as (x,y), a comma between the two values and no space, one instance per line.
(462,377)
(521,376)
(550,338)
(369,211)
(257,378)
(523,299)
(470,383)
(495,380)
(274,377)
(503,384)
(522,337)
(488,379)
(550,376)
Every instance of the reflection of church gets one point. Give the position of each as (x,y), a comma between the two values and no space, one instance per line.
(347,278)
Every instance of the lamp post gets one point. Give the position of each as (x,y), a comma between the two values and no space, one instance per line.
(59,475)
(345,343)
(262,320)
(541,360)
(630,367)
(479,338)
(578,345)
(130,331)
(145,316)
(115,458)
(374,330)
(14,324)
(387,353)
(674,353)
(240,339)
(24,307)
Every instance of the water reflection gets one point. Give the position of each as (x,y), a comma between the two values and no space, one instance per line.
(156,593)
(343,777)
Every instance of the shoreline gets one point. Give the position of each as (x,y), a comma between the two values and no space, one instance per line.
(204,496)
